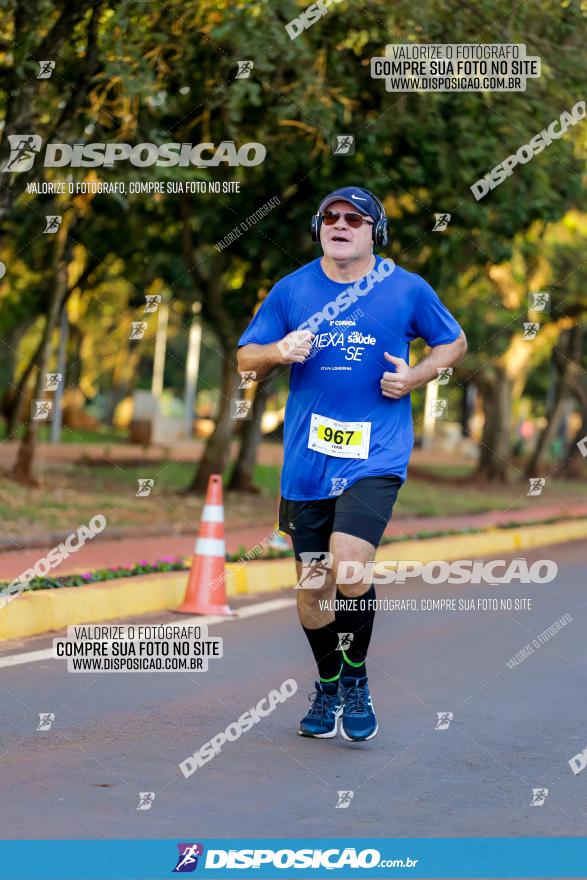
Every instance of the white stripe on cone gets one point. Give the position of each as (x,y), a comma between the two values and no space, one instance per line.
(210,547)
(213,513)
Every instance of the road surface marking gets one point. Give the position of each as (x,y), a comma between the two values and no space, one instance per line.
(248,611)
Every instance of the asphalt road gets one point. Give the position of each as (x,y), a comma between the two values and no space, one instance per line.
(513,730)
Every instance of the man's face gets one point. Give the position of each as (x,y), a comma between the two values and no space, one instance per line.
(340,241)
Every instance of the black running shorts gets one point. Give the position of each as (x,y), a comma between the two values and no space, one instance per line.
(363,510)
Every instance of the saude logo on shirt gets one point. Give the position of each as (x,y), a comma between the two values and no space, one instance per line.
(355,336)
(353,345)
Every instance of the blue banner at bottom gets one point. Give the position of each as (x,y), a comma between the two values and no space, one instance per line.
(368,858)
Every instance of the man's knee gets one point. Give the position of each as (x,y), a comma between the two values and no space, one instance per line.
(353,576)
(350,577)
(353,568)
(351,591)
(311,591)
(315,594)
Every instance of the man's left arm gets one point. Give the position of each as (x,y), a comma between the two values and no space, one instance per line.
(406,378)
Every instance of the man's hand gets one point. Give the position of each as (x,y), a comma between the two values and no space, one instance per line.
(400,383)
(263,359)
(295,347)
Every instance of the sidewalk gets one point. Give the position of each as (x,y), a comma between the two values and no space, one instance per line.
(127,551)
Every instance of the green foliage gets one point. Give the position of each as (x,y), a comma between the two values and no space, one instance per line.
(135,72)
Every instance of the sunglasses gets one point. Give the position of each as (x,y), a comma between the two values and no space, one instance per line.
(352,218)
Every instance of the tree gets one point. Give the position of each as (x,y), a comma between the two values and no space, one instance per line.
(154,73)
(566,359)
(23,468)
(241,479)
(37,31)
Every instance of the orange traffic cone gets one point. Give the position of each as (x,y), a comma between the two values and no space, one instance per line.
(206,590)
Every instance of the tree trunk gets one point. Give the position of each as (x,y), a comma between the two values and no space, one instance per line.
(577,455)
(569,362)
(496,393)
(23,468)
(12,401)
(565,359)
(468,398)
(115,395)
(211,293)
(244,469)
(13,404)
(217,449)
(535,465)
(500,385)
(575,464)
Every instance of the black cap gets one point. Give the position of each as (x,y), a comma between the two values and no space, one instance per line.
(362,200)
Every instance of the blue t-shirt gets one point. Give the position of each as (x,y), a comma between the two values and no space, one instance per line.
(338,426)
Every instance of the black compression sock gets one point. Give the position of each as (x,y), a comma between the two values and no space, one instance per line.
(324,642)
(359,624)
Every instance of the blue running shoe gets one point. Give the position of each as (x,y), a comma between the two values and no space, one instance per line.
(358,718)
(324,712)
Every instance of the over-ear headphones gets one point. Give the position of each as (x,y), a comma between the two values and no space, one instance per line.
(379,229)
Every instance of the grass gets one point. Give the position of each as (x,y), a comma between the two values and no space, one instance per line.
(452,471)
(169,476)
(71,494)
(419,497)
(267,479)
(101,435)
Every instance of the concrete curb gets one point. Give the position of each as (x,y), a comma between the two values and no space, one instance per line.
(46,610)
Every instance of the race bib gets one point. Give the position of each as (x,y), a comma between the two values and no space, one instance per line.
(340,439)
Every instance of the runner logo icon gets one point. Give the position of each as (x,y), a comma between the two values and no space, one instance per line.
(539,795)
(315,567)
(23,149)
(344,641)
(338,485)
(444,719)
(344,799)
(187,860)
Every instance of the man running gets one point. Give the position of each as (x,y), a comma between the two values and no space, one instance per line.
(344,322)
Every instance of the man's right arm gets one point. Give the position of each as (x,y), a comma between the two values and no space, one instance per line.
(263,359)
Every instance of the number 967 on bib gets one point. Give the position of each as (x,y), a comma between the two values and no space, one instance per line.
(339,439)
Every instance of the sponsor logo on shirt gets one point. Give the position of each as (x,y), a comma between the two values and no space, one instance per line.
(352,344)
